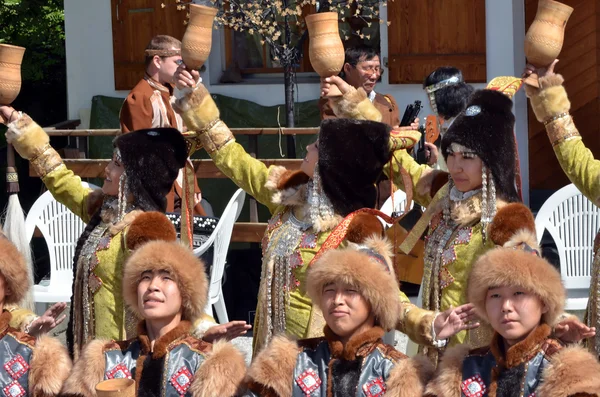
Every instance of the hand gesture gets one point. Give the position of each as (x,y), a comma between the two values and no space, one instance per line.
(327,82)
(571,330)
(228,331)
(49,320)
(431,153)
(414,126)
(6,114)
(541,72)
(185,78)
(450,322)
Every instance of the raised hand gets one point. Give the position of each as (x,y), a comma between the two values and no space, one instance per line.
(327,82)
(455,319)
(541,72)
(185,78)
(227,331)
(49,320)
(571,330)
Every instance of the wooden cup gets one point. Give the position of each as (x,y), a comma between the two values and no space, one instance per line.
(116,388)
(325,48)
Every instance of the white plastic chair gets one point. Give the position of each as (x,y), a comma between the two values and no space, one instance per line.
(572,221)
(220,239)
(61,230)
(399,201)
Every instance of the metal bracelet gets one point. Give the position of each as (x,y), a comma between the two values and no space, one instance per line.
(559,116)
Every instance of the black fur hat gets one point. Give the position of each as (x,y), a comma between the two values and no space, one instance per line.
(352,154)
(152,159)
(486,126)
(452,99)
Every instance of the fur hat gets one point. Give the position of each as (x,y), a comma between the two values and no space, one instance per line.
(352,154)
(519,268)
(180,262)
(14,270)
(368,267)
(486,126)
(152,159)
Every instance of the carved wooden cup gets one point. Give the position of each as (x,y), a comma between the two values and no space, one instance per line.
(10,72)
(116,388)
(544,39)
(197,40)
(325,49)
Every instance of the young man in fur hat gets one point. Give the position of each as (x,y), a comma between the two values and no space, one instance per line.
(356,291)
(165,285)
(521,296)
(28,366)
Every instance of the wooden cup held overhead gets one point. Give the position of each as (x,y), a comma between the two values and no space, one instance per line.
(545,37)
(325,48)
(197,40)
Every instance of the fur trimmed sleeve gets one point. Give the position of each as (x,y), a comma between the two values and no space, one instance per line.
(221,374)
(512,226)
(409,377)
(149,226)
(87,372)
(272,370)
(447,379)
(50,367)
(355,104)
(416,323)
(573,371)
(27,137)
(550,99)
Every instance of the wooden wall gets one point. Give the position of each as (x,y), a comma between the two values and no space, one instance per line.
(580,68)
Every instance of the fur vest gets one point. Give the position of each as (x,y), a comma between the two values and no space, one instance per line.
(179,365)
(30,366)
(324,367)
(537,366)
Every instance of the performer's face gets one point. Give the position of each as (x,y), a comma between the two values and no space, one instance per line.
(513,312)
(112,172)
(167,67)
(311,158)
(365,74)
(345,310)
(159,297)
(465,170)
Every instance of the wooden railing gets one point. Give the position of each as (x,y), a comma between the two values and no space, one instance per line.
(205,169)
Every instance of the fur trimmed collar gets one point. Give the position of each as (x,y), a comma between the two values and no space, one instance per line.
(161,345)
(520,352)
(360,345)
(290,190)
(5,318)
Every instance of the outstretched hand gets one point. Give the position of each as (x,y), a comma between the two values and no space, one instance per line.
(185,78)
(49,320)
(328,82)
(455,319)
(227,331)
(571,330)
(7,114)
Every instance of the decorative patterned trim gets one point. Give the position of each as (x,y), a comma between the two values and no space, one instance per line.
(47,161)
(374,388)
(182,380)
(16,367)
(561,129)
(215,135)
(308,381)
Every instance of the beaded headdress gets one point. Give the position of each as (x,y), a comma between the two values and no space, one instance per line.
(431,89)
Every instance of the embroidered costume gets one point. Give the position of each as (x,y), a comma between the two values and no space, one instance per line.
(551,106)
(539,365)
(29,366)
(176,364)
(364,365)
(305,210)
(151,159)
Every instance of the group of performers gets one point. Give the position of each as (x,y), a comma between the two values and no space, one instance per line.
(492,315)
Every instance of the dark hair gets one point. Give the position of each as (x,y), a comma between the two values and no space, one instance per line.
(453,99)
(160,42)
(353,55)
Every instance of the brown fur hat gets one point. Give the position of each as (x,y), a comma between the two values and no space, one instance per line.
(14,270)
(515,267)
(368,267)
(180,262)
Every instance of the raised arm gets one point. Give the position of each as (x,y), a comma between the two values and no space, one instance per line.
(33,144)
(551,106)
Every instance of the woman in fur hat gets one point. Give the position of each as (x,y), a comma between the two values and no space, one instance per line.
(336,178)
(165,285)
(140,174)
(521,296)
(29,366)
(551,106)
(355,288)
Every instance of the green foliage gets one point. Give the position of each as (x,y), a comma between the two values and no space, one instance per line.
(37,25)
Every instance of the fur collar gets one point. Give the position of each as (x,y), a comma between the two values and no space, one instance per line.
(5,318)
(290,190)
(163,343)
(520,352)
(360,345)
